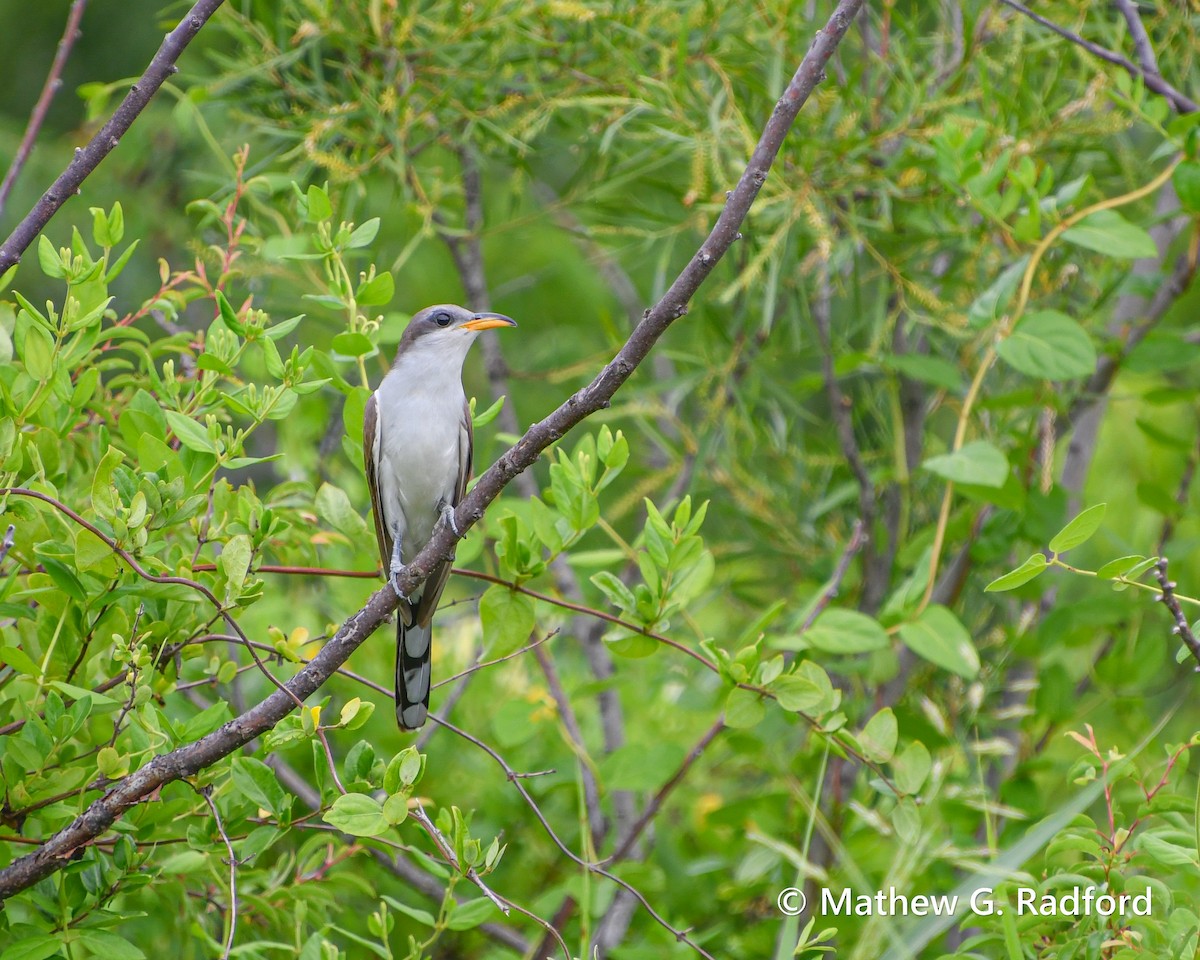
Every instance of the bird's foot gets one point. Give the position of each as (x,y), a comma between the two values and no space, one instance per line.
(447,518)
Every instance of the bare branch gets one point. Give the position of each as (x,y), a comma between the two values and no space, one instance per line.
(1181,629)
(447,850)
(1141,39)
(88,158)
(38,115)
(1153,81)
(626,842)
(193,757)
(206,793)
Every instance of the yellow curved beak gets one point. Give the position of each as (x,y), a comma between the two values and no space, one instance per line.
(485,321)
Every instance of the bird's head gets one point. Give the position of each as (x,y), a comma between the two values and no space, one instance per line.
(448,330)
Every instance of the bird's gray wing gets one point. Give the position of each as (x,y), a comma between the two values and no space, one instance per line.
(371,444)
(438,576)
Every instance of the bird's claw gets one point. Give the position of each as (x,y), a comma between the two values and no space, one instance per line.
(447,518)
(397,571)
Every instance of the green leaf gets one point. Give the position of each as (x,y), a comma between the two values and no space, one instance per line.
(744,709)
(979,463)
(616,591)
(1186,180)
(104,494)
(64,578)
(932,370)
(105,943)
(939,637)
(38,353)
(229,315)
(363,234)
(1120,567)
(507,618)
(377,291)
(190,433)
(234,560)
(906,819)
(1049,345)
(421,916)
(1167,853)
(49,260)
(255,781)
(281,329)
(319,207)
(37,947)
(878,737)
(19,660)
(357,815)
(796,693)
(471,914)
(912,767)
(990,304)
(483,419)
(352,344)
(1079,530)
(1109,233)
(335,508)
(1022,574)
(839,631)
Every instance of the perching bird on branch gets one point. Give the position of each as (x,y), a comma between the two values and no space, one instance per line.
(417,448)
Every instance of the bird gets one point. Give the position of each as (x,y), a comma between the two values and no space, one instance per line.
(417,444)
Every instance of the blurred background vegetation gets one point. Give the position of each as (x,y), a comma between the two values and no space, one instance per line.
(588,147)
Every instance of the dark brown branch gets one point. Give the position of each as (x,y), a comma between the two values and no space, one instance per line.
(1153,81)
(626,842)
(38,115)
(1181,629)
(88,158)
(193,757)
(1142,46)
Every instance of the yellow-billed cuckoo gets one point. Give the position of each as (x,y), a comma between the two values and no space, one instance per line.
(417,450)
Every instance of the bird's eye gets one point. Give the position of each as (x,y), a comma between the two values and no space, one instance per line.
(442,319)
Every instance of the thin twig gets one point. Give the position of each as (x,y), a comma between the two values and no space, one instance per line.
(9,540)
(408,872)
(853,545)
(1181,629)
(515,778)
(37,116)
(206,793)
(153,578)
(87,158)
(1153,81)
(447,850)
(186,760)
(626,842)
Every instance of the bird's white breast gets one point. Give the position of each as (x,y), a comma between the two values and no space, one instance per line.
(420,408)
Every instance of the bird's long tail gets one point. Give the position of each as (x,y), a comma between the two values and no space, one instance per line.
(412,674)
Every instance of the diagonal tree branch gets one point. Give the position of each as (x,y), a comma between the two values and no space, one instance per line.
(187,760)
(88,158)
(38,115)
(1141,39)
(1180,101)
